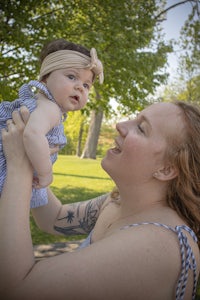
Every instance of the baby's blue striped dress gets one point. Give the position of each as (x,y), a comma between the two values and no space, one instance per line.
(55,136)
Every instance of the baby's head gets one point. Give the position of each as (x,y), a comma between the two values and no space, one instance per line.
(59,54)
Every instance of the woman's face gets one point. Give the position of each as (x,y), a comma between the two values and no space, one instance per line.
(141,144)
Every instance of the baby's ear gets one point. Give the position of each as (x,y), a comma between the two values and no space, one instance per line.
(167,173)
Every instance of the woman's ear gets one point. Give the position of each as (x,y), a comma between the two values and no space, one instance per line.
(167,173)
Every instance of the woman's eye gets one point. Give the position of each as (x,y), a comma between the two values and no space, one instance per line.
(140,128)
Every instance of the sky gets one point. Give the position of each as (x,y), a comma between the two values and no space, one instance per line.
(175,20)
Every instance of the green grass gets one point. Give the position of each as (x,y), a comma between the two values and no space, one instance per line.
(75,179)
(198,291)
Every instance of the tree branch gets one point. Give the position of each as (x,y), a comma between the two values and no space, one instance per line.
(171,7)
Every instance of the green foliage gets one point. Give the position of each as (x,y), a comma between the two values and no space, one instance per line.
(122,31)
(77,120)
(75,179)
(190,40)
(179,90)
(106,139)
(18,44)
(192,91)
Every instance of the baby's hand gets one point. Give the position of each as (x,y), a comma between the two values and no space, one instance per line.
(42,181)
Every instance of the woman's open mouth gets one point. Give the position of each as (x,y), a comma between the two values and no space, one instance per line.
(116,149)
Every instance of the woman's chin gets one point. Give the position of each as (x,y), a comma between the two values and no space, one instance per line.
(106,164)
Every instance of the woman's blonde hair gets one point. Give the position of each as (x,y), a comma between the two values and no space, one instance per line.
(184,191)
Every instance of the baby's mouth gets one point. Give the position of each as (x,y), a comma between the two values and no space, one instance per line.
(75,98)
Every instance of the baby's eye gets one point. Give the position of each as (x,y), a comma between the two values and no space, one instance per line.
(86,85)
(71,76)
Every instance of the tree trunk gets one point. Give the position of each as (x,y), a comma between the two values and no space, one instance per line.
(78,149)
(90,148)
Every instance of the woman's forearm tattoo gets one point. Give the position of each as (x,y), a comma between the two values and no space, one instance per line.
(81,218)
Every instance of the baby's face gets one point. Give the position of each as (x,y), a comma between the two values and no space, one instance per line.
(70,87)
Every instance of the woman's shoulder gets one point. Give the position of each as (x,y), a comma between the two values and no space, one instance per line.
(157,240)
(174,236)
(146,257)
(148,247)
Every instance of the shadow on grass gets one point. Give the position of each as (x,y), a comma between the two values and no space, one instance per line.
(74,194)
(65,195)
(80,176)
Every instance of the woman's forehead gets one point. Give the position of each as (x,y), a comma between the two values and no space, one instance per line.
(164,116)
(162,111)
(163,107)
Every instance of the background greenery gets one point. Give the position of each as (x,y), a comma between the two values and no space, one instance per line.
(130,41)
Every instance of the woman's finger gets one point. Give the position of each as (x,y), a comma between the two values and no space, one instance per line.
(25,114)
(9,122)
(17,119)
(12,139)
(9,125)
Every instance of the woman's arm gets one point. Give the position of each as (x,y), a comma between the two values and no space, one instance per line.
(130,264)
(16,254)
(41,121)
(68,219)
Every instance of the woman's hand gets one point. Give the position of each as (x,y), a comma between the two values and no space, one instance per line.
(12,137)
(13,146)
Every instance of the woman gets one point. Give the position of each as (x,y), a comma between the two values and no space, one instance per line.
(143,247)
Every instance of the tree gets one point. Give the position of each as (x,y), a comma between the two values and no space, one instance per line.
(124,33)
(191,93)
(179,90)
(130,30)
(190,42)
(93,135)
(189,61)
(20,41)
(76,128)
(186,85)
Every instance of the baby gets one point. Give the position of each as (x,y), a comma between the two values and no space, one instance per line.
(67,73)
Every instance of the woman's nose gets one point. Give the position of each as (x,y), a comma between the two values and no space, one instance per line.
(122,128)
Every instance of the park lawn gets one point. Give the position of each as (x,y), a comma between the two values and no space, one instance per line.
(75,179)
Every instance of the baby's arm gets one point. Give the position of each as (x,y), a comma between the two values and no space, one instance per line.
(42,119)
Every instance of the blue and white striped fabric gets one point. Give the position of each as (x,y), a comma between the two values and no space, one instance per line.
(188,260)
(55,136)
